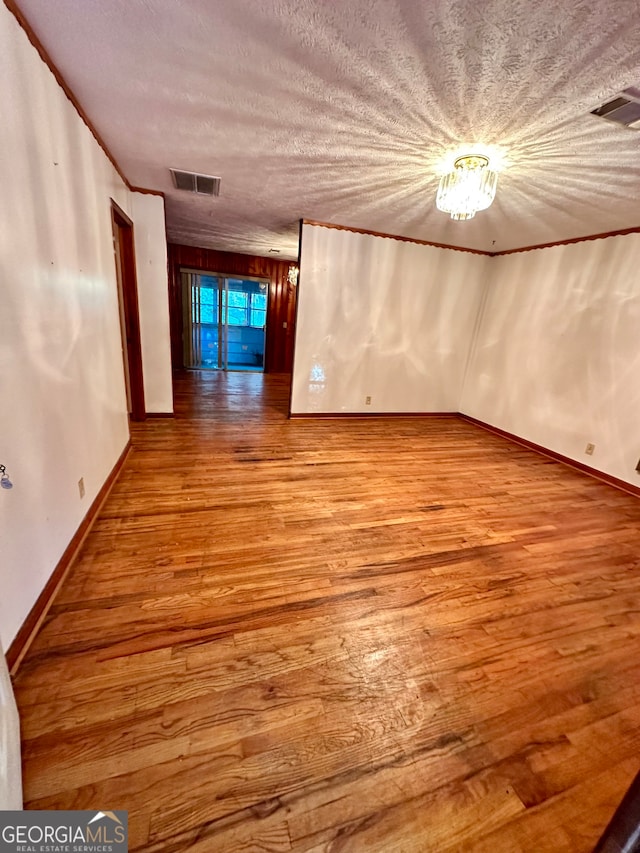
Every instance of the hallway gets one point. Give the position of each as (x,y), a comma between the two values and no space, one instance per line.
(368,636)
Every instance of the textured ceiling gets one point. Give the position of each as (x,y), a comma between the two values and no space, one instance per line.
(344,111)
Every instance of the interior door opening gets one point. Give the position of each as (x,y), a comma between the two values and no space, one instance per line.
(225,319)
(124,254)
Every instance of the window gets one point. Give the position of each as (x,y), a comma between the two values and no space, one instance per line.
(238,304)
(244,308)
(208,305)
(247,309)
(258,309)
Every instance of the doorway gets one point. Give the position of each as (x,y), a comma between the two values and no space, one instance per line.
(225,320)
(125,260)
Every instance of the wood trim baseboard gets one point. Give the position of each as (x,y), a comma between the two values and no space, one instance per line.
(557,457)
(333,415)
(30,626)
(395,237)
(160,414)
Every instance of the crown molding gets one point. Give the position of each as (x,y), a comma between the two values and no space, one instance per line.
(145,191)
(396,237)
(603,236)
(48,61)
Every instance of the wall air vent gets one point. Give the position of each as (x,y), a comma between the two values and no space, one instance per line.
(191,182)
(624,109)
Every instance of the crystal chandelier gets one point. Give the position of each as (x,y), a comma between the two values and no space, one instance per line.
(470,187)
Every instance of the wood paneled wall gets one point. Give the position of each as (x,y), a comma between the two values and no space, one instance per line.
(282,298)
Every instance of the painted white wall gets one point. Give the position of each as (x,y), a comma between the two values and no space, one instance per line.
(62,402)
(153,300)
(556,359)
(10,769)
(382,318)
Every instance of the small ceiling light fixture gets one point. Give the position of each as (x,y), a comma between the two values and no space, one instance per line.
(292,276)
(469,187)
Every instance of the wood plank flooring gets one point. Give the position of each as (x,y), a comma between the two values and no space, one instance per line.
(371,636)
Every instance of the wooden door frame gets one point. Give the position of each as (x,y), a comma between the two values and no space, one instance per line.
(119,219)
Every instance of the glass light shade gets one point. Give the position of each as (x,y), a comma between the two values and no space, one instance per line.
(470,187)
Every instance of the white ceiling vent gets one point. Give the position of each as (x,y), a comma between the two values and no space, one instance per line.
(194,183)
(624,109)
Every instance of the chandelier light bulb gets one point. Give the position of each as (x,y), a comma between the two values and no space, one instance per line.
(468,188)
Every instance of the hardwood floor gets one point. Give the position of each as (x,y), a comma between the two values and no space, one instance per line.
(381,636)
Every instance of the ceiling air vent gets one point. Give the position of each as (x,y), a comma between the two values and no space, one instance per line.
(624,109)
(194,183)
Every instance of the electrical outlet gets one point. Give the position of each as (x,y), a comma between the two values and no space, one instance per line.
(81,487)
(367,401)
(589,449)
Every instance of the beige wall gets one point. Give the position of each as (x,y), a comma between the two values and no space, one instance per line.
(556,358)
(544,344)
(382,318)
(153,298)
(62,404)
